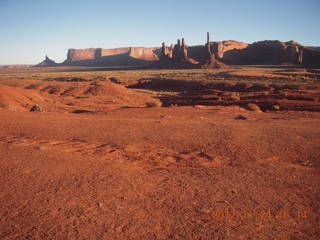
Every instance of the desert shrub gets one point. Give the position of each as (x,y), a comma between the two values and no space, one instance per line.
(244,86)
(292,87)
(261,86)
(275,86)
(115,80)
(153,103)
(276,107)
(253,107)
(235,96)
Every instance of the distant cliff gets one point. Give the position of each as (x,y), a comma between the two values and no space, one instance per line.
(229,52)
(128,56)
(47,62)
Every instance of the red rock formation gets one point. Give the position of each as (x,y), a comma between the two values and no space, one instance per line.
(111,57)
(81,54)
(210,58)
(221,47)
(228,52)
(148,54)
(47,63)
(273,52)
(178,57)
(12,66)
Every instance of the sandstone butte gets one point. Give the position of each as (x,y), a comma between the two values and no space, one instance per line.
(228,52)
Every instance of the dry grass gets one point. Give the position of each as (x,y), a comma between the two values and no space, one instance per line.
(153,103)
(260,79)
(253,107)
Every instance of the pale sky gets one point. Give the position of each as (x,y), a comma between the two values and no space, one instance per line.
(32,28)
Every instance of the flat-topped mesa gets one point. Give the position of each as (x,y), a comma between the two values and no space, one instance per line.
(211,54)
(125,56)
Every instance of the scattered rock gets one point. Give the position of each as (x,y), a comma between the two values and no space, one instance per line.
(115,80)
(241,117)
(36,108)
(82,111)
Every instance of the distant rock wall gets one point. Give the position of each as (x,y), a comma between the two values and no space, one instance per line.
(115,56)
(229,52)
(47,62)
(219,49)
(82,54)
(114,51)
(149,54)
(273,52)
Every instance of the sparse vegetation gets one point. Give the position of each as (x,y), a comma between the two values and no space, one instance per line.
(153,103)
(253,107)
(276,107)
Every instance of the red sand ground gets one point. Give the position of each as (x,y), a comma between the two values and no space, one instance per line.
(191,172)
(169,173)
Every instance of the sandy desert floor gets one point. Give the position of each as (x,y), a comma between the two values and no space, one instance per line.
(99,164)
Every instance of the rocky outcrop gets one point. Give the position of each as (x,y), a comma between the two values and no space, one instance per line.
(15,66)
(75,55)
(175,56)
(178,56)
(273,52)
(128,56)
(210,57)
(47,63)
(182,56)
(317,49)
(219,49)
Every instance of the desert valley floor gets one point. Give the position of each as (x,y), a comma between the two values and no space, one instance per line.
(228,155)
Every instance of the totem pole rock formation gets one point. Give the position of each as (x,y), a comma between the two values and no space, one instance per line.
(300,58)
(166,51)
(208,47)
(210,58)
(177,57)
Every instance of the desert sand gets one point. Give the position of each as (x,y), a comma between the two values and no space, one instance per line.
(105,161)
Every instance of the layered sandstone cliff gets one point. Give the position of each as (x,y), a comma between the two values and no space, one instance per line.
(114,56)
(219,49)
(273,52)
(229,52)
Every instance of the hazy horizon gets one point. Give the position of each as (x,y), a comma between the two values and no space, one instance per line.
(34,28)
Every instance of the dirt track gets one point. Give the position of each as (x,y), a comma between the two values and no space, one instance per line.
(160,173)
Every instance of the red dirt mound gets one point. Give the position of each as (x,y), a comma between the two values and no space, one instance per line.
(16,99)
(106,88)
